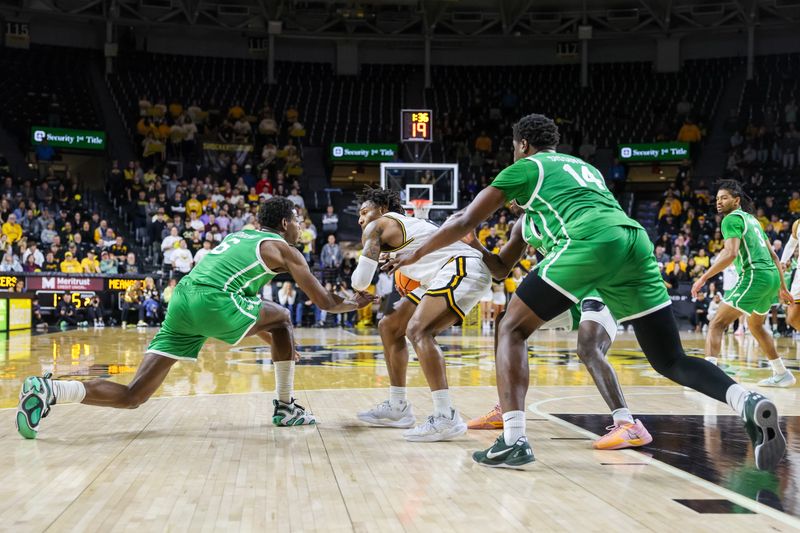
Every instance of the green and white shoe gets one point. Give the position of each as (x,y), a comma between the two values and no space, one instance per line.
(762,426)
(500,455)
(35,400)
(291,414)
(778,380)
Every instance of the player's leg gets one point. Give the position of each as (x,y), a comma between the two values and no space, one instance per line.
(793,315)
(781,376)
(638,289)
(494,418)
(595,334)
(396,411)
(726,315)
(274,325)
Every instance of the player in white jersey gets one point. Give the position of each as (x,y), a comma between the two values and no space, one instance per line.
(452,280)
(790,253)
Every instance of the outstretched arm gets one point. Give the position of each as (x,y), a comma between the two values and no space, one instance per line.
(501,264)
(487,202)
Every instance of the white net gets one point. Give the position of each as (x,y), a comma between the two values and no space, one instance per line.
(421,208)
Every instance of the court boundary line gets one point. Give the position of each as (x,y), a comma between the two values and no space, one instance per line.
(735,497)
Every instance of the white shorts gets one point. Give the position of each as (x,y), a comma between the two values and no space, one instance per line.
(462,282)
(499,298)
(795,290)
(566,320)
(487,296)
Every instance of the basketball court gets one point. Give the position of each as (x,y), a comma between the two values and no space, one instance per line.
(204,455)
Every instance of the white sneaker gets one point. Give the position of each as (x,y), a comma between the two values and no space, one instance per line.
(384,414)
(437,428)
(782,380)
(141,324)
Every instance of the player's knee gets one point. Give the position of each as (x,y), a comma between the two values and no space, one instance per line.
(390,327)
(589,353)
(417,331)
(511,329)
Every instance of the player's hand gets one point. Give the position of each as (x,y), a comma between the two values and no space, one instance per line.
(471,239)
(364,299)
(697,286)
(398,261)
(787,266)
(786,297)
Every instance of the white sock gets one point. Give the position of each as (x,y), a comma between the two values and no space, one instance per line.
(397,397)
(777,366)
(622,416)
(735,396)
(441,403)
(711,359)
(513,426)
(284,380)
(68,391)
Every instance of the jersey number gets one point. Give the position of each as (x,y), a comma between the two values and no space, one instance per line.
(223,246)
(585,177)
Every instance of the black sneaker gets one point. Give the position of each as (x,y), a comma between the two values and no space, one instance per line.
(761,423)
(499,455)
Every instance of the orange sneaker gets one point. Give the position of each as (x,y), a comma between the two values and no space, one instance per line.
(623,436)
(491,420)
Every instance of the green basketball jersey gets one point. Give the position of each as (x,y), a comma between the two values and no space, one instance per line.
(753,251)
(565,196)
(235,265)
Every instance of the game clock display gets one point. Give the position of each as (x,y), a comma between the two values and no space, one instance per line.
(417,125)
(51,299)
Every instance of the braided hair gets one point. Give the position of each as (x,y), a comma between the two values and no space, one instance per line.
(382,198)
(735,188)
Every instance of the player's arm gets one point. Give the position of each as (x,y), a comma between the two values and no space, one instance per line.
(791,246)
(725,257)
(295,264)
(368,262)
(502,263)
(487,202)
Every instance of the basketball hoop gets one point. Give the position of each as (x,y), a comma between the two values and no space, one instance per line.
(421,208)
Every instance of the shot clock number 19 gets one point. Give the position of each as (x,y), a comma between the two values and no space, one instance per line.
(416,125)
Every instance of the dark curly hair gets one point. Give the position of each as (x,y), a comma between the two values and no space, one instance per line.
(382,198)
(735,188)
(274,211)
(540,131)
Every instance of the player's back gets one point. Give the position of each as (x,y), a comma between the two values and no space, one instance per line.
(235,265)
(415,233)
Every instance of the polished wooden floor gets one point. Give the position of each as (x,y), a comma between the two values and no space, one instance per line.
(203,454)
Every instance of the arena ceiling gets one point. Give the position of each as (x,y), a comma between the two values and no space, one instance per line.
(440,20)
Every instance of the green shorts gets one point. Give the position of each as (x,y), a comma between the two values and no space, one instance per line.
(755,292)
(199,312)
(617,261)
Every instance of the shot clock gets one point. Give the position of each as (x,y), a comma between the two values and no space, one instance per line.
(416,125)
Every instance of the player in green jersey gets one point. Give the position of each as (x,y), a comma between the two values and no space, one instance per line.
(760,281)
(596,327)
(218,299)
(592,245)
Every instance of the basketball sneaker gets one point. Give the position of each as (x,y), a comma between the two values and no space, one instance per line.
(779,380)
(437,428)
(500,455)
(35,400)
(491,420)
(291,414)
(384,414)
(761,423)
(623,436)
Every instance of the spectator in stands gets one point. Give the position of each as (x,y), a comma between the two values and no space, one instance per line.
(150,308)
(331,256)
(236,111)
(794,203)
(268,127)
(80,247)
(131,300)
(29,265)
(286,297)
(677,268)
(587,149)
(11,229)
(100,231)
(10,263)
(108,263)
(202,252)
(131,266)
(50,263)
(166,296)
(330,221)
(242,131)
(689,132)
(182,259)
(292,114)
(296,198)
(90,264)
(119,249)
(716,244)
(483,144)
(193,205)
(684,107)
(169,245)
(33,251)
(70,265)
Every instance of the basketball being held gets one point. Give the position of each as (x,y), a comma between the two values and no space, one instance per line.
(404,284)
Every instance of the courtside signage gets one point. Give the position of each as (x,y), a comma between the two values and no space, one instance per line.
(671,151)
(68,138)
(362,152)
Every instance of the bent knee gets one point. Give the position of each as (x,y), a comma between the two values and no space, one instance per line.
(390,326)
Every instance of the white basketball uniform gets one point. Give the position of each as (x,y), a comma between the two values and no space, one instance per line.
(456,272)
